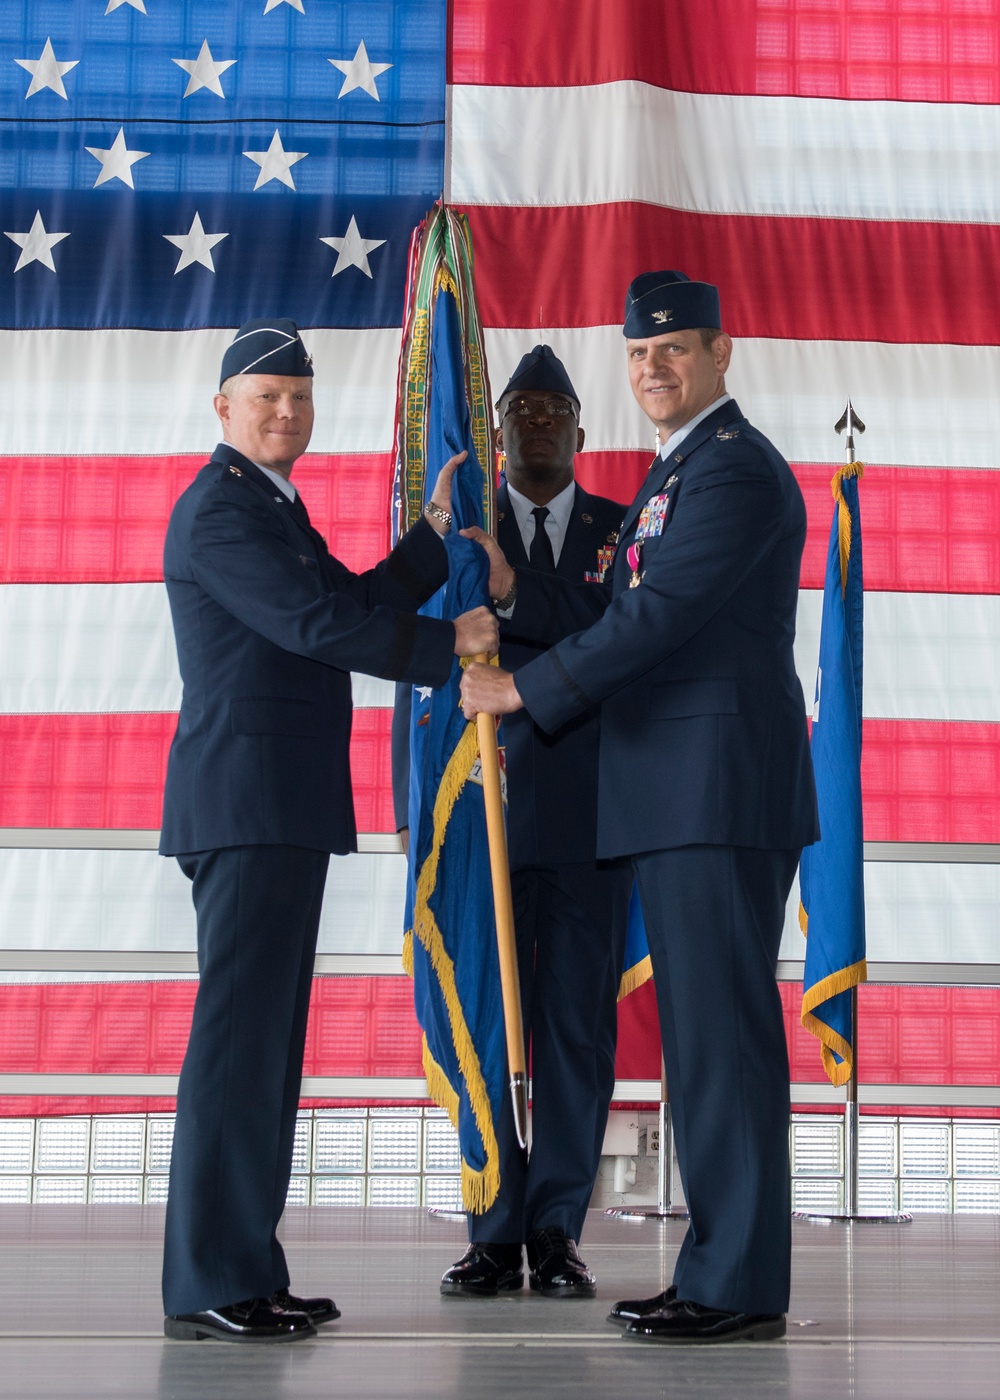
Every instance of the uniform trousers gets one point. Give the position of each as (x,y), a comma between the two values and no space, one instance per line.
(570,922)
(714,916)
(258,911)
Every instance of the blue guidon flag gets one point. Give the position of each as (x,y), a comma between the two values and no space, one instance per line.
(450,946)
(831,875)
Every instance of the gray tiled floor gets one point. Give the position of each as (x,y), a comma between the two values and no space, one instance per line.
(910,1311)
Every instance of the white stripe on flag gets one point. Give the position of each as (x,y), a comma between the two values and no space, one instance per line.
(115,901)
(109,648)
(787,156)
(925,405)
(98,648)
(931,656)
(920,913)
(149,393)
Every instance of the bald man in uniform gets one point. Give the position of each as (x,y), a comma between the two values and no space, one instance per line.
(269,626)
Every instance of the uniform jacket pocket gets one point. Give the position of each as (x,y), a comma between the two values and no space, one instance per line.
(685,699)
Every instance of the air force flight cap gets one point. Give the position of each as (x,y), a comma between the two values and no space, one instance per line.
(541,369)
(267,346)
(659,302)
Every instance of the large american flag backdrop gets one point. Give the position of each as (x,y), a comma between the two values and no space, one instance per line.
(170,167)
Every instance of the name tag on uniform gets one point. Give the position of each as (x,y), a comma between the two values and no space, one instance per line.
(653,517)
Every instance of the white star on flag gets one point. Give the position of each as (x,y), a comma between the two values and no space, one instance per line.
(204,71)
(273,5)
(36,245)
(117,163)
(359,72)
(46,72)
(196,245)
(352,250)
(424,692)
(116,4)
(275,163)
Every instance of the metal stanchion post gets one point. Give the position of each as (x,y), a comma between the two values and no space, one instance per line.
(663,1210)
(851,1213)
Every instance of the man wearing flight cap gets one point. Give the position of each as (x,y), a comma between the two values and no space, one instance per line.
(706,784)
(570,913)
(268,628)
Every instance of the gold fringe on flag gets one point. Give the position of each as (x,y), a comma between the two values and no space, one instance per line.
(479,1187)
(830,1042)
(634,977)
(844,516)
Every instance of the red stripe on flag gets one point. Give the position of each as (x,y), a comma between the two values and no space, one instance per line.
(365,1027)
(361,1026)
(923,780)
(106,772)
(924,531)
(926,780)
(924,283)
(892,50)
(103,519)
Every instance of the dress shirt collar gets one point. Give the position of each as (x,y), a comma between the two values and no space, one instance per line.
(675,439)
(280,481)
(560,509)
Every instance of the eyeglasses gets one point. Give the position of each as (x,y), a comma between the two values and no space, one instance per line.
(553,408)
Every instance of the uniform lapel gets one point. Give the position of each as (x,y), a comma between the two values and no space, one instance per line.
(508,533)
(279,502)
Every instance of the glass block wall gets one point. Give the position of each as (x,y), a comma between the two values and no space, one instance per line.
(922,1165)
(409,1157)
(343,1157)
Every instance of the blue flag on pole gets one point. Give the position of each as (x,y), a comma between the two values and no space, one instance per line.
(831,875)
(451,946)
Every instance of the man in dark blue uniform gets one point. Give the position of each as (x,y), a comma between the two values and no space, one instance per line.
(570,912)
(268,628)
(705,782)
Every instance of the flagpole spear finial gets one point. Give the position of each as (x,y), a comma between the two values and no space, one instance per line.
(851,422)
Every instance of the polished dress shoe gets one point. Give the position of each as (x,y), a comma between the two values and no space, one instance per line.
(631,1308)
(693,1322)
(255,1320)
(484,1270)
(317,1310)
(557,1271)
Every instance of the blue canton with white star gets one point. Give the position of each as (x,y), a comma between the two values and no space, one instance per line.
(166,163)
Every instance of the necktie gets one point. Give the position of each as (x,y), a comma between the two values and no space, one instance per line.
(299,507)
(540,555)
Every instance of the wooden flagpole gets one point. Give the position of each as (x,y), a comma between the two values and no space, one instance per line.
(503,905)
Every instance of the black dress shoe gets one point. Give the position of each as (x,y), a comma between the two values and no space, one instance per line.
(484,1270)
(693,1322)
(318,1310)
(557,1271)
(255,1320)
(631,1308)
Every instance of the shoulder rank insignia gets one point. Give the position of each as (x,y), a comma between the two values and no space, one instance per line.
(587,519)
(727,434)
(235,471)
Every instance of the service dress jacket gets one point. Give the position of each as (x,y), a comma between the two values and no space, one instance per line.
(703,729)
(269,626)
(552,778)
